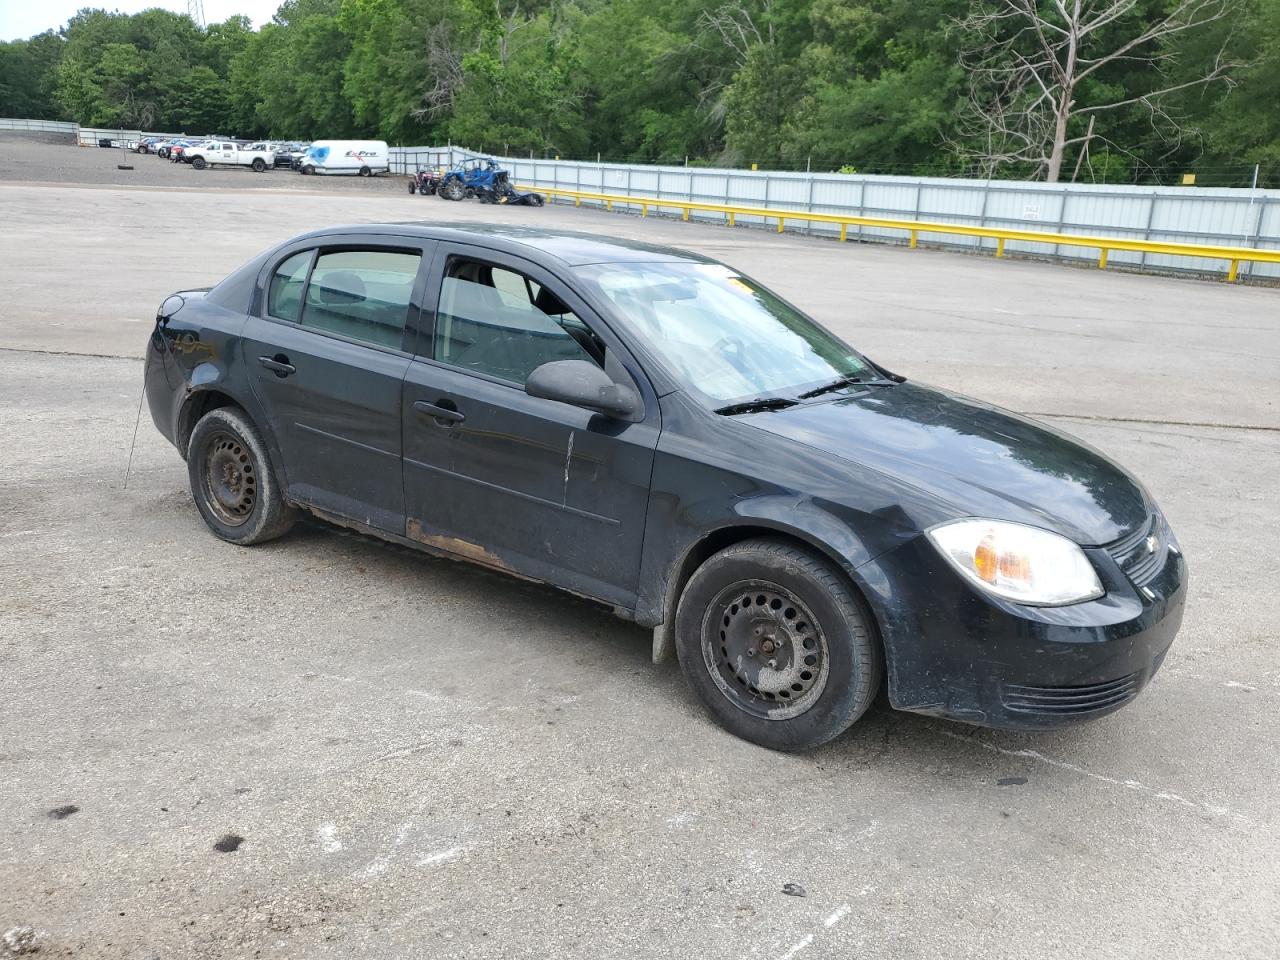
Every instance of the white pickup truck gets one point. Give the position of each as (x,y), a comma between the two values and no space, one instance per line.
(230,153)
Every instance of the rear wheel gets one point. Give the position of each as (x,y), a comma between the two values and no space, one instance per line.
(258,164)
(777,644)
(231,479)
(535,200)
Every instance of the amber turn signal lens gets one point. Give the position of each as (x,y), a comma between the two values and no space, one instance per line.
(985,562)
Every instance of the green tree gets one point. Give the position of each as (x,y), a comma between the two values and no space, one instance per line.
(28,72)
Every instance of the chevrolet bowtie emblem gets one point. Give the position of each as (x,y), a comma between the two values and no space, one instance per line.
(1151,544)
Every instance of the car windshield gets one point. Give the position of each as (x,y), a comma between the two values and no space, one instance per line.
(725,336)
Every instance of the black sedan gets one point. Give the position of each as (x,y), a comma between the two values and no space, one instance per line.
(655,431)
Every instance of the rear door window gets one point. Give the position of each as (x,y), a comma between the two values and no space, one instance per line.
(362,294)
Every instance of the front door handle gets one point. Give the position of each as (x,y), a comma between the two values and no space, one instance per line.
(278,365)
(441,415)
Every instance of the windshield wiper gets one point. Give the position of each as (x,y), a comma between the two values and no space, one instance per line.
(833,385)
(848,381)
(758,405)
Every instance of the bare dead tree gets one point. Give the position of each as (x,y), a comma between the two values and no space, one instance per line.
(1028,59)
(444,70)
(731,26)
(445,55)
(734,25)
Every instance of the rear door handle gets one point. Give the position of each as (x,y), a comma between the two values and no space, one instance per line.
(440,414)
(279,367)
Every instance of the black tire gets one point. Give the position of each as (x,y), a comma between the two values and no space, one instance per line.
(365,172)
(535,200)
(788,674)
(198,163)
(413,187)
(453,190)
(308,170)
(141,148)
(163,153)
(258,164)
(232,482)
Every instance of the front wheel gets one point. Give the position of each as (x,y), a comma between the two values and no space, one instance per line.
(198,163)
(365,172)
(453,190)
(308,170)
(777,644)
(413,187)
(231,479)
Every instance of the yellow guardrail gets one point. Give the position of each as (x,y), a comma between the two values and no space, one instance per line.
(913,228)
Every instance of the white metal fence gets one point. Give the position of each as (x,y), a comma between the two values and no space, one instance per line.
(1219,215)
(39,126)
(96,136)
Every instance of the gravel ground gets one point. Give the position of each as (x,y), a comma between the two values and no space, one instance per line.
(328,747)
(31,158)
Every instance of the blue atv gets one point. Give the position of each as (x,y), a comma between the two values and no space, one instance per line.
(482,177)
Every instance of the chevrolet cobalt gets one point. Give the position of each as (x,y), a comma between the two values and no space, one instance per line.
(655,431)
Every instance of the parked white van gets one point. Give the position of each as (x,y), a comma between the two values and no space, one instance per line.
(365,157)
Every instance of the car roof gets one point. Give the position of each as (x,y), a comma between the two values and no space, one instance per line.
(569,247)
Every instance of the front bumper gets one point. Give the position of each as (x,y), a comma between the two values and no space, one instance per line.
(955,652)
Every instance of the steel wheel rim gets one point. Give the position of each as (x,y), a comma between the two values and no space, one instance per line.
(230,479)
(764,650)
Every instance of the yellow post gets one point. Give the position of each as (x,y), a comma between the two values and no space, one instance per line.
(731,217)
(644,209)
(755,166)
(844,229)
(608,205)
(686,214)
(780,223)
(1102,260)
(577,201)
(1233,272)
(1000,247)
(913,239)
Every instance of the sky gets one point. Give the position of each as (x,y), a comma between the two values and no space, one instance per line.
(20,19)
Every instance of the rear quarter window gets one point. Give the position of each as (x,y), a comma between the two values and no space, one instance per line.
(284,290)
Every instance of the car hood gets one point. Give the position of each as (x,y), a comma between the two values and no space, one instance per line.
(981,460)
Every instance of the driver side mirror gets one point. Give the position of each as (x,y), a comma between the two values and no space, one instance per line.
(582,384)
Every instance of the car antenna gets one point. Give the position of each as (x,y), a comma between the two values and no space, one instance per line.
(146,369)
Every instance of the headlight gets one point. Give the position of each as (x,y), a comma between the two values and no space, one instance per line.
(1017,562)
